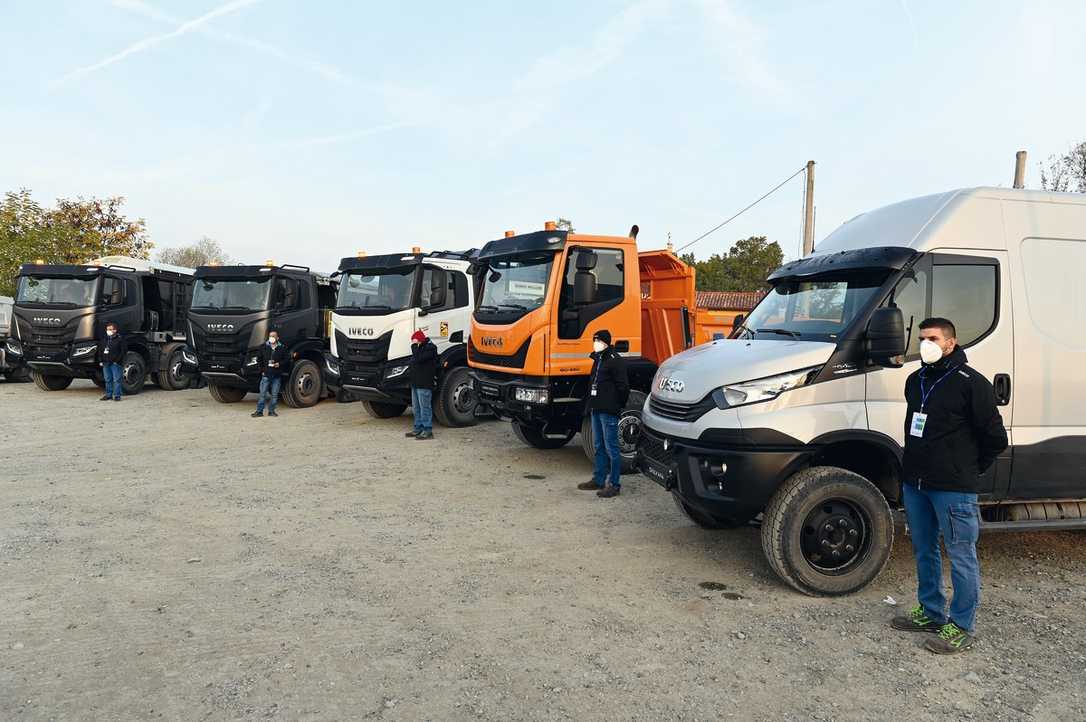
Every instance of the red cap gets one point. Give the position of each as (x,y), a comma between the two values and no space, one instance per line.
(418,337)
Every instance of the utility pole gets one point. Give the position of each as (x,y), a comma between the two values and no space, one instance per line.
(808,212)
(1020,169)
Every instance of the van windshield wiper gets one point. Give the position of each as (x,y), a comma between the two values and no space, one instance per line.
(781,331)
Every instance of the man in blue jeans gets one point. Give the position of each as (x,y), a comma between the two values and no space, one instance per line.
(273,359)
(953,433)
(608,391)
(423,376)
(113,351)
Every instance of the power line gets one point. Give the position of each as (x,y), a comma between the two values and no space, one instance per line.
(729,220)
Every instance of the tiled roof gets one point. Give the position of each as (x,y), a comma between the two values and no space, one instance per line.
(729,300)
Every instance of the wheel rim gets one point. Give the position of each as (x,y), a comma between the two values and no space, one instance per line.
(306,384)
(629,429)
(463,398)
(175,371)
(835,536)
(130,373)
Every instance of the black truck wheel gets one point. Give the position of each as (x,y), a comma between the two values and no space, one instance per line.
(455,400)
(226,394)
(629,428)
(99,378)
(304,387)
(383,410)
(534,437)
(18,375)
(48,382)
(170,376)
(827,531)
(133,373)
(703,520)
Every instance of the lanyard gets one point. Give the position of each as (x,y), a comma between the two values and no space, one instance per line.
(925,394)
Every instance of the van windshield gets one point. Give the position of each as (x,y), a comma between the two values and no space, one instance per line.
(813,309)
(46,291)
(514,286)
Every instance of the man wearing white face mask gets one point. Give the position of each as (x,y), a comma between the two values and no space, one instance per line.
(953,433)
(608,391)
(112,355)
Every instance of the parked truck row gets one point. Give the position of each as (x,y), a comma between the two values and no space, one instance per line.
(795,423)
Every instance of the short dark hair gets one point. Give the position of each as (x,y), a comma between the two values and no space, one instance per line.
(943,324)
(111,324)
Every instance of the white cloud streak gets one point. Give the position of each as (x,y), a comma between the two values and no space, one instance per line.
(738,39)
(153,40)
(349,135)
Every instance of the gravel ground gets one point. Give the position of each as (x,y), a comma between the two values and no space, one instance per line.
(169,557)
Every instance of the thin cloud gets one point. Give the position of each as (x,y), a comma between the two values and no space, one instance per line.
(150,42)
(738,39)
(912,24)
(349,135)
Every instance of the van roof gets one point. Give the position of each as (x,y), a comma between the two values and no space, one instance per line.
(910,223)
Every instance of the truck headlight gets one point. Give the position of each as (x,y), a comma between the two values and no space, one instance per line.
(396,371)
(253,361)
(751,392)
(531,395)
(189,358)
(84,349)
(14,347)
(332,365)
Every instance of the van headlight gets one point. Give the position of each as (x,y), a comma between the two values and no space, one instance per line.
(396,371)
(14,347)
(531,395)
(751,392)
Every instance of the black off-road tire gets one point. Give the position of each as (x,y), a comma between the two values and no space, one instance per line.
(383,410)
(534,437)
(629,428)
(703,520)
(48,382)
(305,385)
(827,501)
(455,400)
(226,394)
(170,376)
(133,373)
(18,375)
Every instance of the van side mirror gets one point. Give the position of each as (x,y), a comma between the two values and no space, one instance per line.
(886,336)
(438,288)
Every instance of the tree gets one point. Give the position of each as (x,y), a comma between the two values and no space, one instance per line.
(1066,172)
(74,231)
(201,253)
(745,267)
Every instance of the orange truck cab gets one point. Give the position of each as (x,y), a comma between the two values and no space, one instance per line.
(541,297)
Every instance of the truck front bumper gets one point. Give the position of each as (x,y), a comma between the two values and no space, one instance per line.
(388,382)
(560,412)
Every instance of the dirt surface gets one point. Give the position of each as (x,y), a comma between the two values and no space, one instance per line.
(170,557)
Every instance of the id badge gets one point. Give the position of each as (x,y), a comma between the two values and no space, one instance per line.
(919,420)
(593,392)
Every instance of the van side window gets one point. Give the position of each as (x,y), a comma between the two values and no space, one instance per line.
(967,295)
(911,296)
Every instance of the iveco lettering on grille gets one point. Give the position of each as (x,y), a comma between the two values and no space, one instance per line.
(492,341)
(669,384)
(220,327)
(47,320)
(360,331)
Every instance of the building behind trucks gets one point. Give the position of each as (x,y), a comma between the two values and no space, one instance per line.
(12,367)
(61,312)
(382,301)
(798,421)
(234,308)
(543,295)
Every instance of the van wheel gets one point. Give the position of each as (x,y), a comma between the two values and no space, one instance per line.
(629,429)
(170,376)
(455,400)
(226,394)
(827,531)
(304,386)
(133,373)
(48,382)
(382,410)
(703,520)
(534,437)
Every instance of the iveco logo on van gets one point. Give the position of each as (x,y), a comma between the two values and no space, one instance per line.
(47,320)
(360,332)
(220,327)
(669,384)
(492,341)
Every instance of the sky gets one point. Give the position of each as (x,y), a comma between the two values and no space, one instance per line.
(307,131)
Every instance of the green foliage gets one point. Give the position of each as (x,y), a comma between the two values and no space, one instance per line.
(74,231)
(201,253)
(744,268)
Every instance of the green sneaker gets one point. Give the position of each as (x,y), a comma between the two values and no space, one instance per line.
(951,640)
(916,620)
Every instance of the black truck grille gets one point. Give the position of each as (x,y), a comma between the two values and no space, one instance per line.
(679,411)
(364,352)
(516,361)
(652,447)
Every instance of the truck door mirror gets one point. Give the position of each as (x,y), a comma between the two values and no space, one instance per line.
(585,284)
(439,283)
(886,336)
(586,260)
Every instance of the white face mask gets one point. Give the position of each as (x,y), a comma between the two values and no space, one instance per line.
(109,332)
(599,346)
(273,340)
(930,352)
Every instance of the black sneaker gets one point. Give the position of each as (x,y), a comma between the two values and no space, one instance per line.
(272,413)
(916,620)
(411,434)
(589,485)
(952,639)
(608,491)
(424,436)
(106,398)
(116,398)
(257,414)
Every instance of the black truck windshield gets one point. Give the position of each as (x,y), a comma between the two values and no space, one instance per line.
(514,285)
(380,291)
(236,294)
(53,291)
(815,309)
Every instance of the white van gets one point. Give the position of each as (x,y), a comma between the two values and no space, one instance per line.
(799,418)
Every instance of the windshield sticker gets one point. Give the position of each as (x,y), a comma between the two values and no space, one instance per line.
(526,288)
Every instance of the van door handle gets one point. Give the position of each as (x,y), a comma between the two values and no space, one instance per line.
(1002,385)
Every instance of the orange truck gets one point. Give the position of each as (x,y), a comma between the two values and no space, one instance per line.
(541,296)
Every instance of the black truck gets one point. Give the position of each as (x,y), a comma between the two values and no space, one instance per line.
(61,312)
(233,310)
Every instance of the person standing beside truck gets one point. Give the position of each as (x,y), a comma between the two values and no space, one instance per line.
(423,375)
(609,389)
(113,350)
(953,433)
(273,358)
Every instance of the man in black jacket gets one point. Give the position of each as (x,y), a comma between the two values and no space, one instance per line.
(423,376)
(273,360)
(113,350)
(953,433)
(607,394)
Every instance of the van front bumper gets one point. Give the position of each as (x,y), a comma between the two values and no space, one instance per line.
(729,481)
